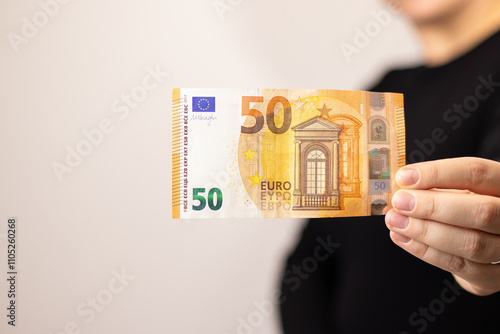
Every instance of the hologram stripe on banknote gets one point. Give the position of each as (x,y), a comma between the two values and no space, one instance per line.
(257,153)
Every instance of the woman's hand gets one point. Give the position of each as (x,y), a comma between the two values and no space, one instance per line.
(448,214)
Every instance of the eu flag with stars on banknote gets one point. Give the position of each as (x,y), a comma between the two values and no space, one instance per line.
(203,104)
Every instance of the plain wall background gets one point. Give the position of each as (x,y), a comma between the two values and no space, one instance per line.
(112,212)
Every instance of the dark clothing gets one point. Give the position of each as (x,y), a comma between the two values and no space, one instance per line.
(370,285)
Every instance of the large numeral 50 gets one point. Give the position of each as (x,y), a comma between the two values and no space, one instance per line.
(214,199)
(259,118)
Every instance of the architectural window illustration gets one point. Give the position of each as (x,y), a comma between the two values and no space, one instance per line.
(316,172)
(349,155)
(379,164)
(345,159)
(317,165)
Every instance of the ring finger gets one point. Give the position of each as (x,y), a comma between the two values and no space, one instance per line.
(473,245)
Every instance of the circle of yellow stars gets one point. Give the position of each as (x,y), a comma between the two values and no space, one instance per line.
(201,100)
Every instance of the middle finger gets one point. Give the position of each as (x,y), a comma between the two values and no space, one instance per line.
(474,211)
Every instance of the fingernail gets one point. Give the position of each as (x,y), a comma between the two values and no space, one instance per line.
(403,201)
(407,176)
(401,238)
(398,221)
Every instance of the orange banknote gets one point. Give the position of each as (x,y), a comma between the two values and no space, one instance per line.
(273,153)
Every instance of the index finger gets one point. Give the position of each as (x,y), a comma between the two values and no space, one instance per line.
(478,175)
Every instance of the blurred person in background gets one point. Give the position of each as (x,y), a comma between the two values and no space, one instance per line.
(435,271)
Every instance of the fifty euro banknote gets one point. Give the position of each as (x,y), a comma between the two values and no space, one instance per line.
(272,153)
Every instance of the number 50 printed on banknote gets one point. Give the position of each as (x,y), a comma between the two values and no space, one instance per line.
(272,153)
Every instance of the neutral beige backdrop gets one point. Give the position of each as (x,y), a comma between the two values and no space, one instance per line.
(112,212)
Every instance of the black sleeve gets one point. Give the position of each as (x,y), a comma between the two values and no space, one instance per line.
(307,282)
(490,141)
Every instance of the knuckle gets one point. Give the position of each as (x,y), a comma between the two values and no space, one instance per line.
(456,264)
(474,245)
(432,174)
(422,252)
(421,232)
(486,214)
(478,171)
(428,206)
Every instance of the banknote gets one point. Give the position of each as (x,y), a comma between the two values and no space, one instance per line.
(276,153)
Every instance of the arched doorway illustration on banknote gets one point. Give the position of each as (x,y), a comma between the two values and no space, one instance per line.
(317,165)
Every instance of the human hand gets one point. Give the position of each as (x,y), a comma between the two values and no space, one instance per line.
(448,214)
